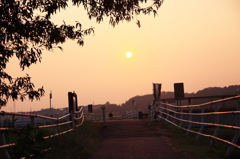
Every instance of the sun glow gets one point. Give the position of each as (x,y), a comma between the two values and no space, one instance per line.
(129,54)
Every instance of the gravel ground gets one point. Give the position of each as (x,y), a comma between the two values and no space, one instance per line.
(134,139)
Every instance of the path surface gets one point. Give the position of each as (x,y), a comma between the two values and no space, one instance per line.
(135,140)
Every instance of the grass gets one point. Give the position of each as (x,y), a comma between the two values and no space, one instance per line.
(77,144)
(81,142)
(200,148)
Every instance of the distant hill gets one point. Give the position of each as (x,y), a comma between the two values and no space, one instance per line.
(143,101)
(210,91)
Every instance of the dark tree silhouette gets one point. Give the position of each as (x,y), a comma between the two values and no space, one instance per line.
(25,34)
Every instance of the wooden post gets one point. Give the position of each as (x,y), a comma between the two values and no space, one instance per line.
(160,111)
(68,125)
(174,114)
(45,122)
(176,109)
(77,116)
(237,133)
(217,122)
(70,104)
(167,106)
(149,115)
(72,119)
(153,110)
(190,119)
(202,121)
(33,124)
(3,142)
(181,116)
(81,113)
(22,121)
(13,121)
(55,127)
(104,120)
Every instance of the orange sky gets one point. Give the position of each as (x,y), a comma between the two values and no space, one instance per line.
(194,42)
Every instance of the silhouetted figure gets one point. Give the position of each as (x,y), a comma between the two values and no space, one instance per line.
(110,116)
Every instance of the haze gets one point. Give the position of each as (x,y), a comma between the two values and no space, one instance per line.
(194,42)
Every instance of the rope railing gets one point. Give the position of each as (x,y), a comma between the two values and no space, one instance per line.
(131,115)
(200,123)
(174,115)
(206,135)
(72,122)
(88,116)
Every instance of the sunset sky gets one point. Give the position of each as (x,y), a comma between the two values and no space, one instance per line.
(196,42)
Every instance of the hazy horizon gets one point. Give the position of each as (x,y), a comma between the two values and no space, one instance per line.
(194,42)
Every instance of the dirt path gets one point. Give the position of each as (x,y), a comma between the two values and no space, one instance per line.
(135,140)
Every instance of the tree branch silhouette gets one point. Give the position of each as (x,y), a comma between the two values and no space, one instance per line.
(25,34)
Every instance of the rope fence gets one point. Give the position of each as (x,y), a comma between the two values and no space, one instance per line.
(73,120)
(184,118)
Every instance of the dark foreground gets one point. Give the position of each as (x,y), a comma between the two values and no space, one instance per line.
(135,140)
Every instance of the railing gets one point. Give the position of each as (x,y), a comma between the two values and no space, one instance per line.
(207,114)
(90,116)
(73,120)
(130,115)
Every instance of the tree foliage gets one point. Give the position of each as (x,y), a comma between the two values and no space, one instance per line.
(25,34)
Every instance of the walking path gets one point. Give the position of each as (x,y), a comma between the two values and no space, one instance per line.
(133,139)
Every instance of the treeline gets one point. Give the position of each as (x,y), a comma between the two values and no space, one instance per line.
(143,101)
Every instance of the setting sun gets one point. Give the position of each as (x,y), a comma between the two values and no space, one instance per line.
(129,54)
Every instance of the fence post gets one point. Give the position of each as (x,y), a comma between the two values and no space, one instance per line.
(22,121)
(167,106)
(68,125)
(78,115)
(33,123)
(104,120)
(175,114)
(72,119)
(190,120)
(137,114)
(3,142)
(54,127)
(217,122)
(202,121)
(153,111)
(82,116)
(181,116)
(160,111)
(237,134)
(13,121)
(45,121)
(149,115)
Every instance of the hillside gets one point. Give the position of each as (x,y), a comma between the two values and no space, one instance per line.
(143,101)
